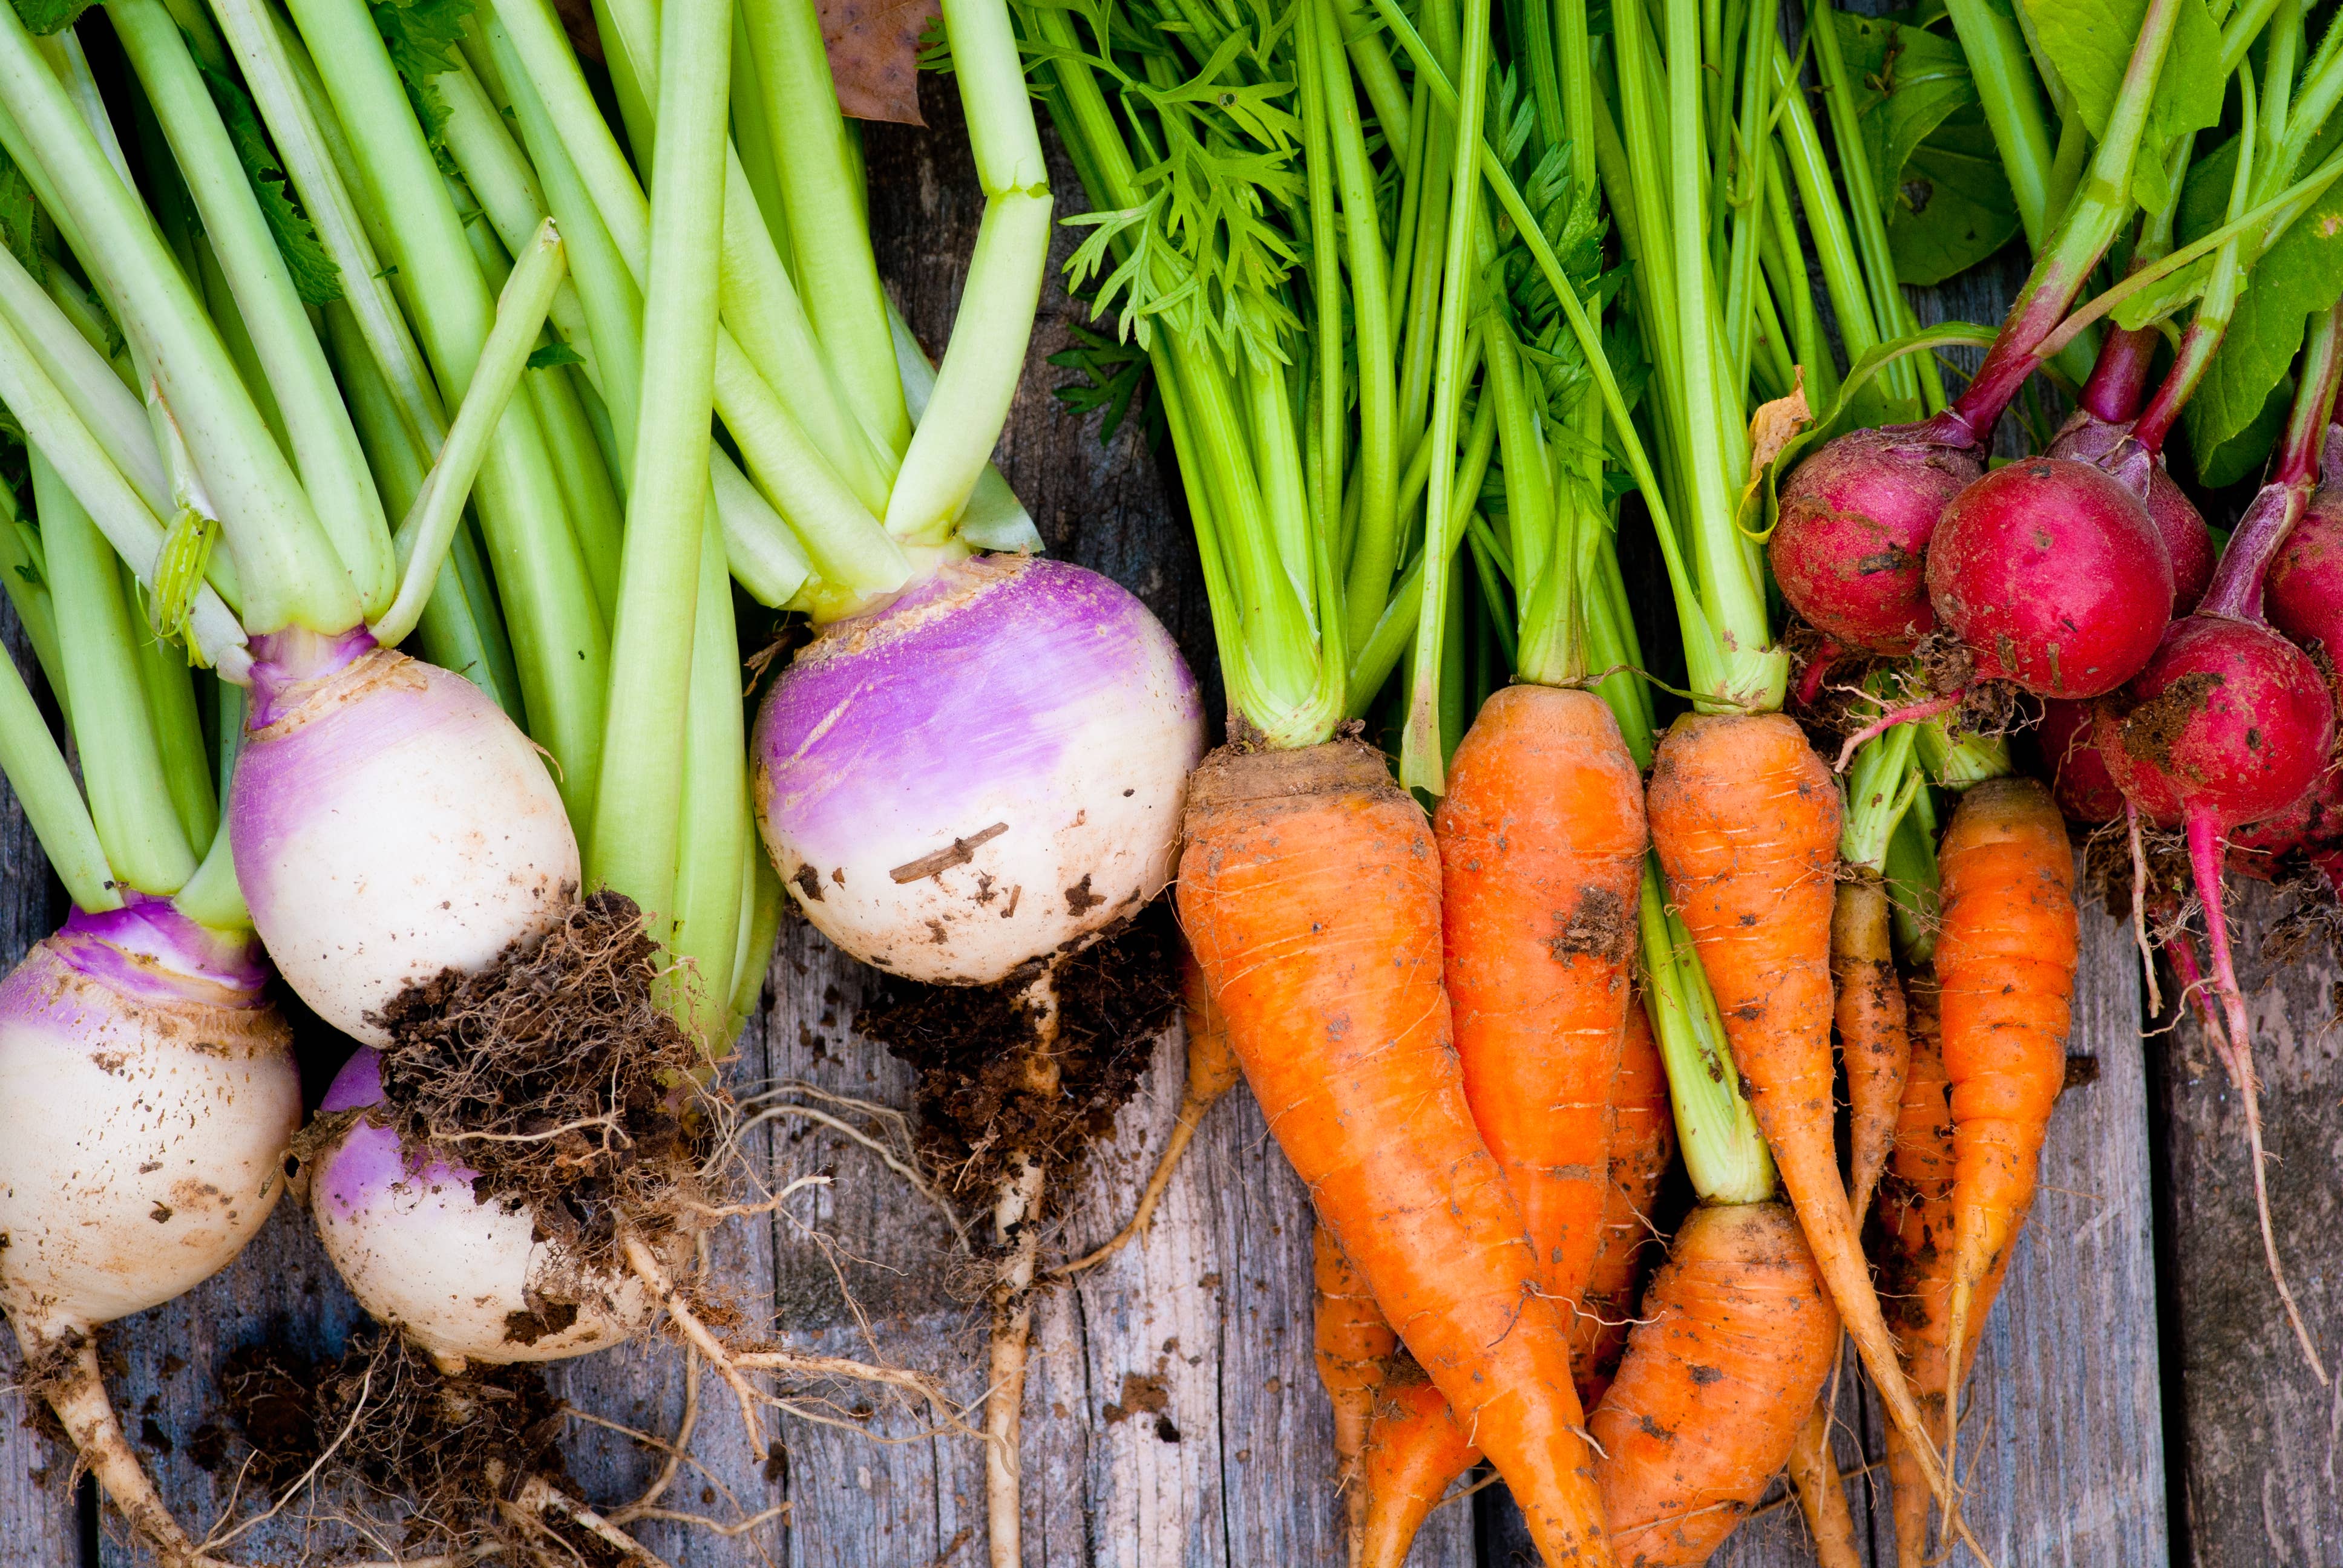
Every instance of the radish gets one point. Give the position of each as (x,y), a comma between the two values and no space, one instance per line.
(2305,591)
(2079,778)
(2107,429)
(2231,723)
(2053,574)
(986,772)
(1853,537)
(1848,542)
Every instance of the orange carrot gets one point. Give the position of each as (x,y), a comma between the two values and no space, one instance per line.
(1915,1269)
(1737,1336)
(1415,1451)
(1873,1039)
(2004,976)
(1542,844)
(1310,891)
(1745,818)
(1643,1146)
(1354,1345)
(1822,1494)
(1211,1073)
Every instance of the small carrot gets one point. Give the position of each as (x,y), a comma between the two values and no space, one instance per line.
(2004,974)
(1738,1334)
(1310,891)
(1415,1451)
(1874,1038)
(1643,1146)
(1353,1346)
(1746,820)
(1822,1494)
(1542,843)
(1211,1073)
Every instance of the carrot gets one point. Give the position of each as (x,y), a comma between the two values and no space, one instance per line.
(1643,1146)
(1822,1494)
(1737,1336)
(1415,1451)
(1874,1041)
(1211,1073)
(1310,891)
(2005,975)
(1353,1346)
(1541,846)
(1746,820)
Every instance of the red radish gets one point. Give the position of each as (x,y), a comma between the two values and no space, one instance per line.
(2053,574)
(2109,430)
(1853,535)
(2230,723)
(2080,781)
(2310,830)
(2306,581)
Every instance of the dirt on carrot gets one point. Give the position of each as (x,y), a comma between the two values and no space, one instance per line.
(1310,891)
(1874,1041)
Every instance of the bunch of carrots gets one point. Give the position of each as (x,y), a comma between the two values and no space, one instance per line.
(1425,290)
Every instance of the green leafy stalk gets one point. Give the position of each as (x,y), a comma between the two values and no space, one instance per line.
(287,569)
(1995,50)
(129,791)
(560,642)
(429,528)
(636,842)
(986,356)
(269,293)
(1423,760)
(45,786)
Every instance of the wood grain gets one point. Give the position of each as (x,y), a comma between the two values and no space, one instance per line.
(2258,1435)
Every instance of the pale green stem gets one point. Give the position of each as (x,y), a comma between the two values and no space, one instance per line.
(716,836)
(638,819)
(121,765)
(105,406)
(45,786)
(995,519)
(292,362)
(429,526)
(986,356)
(178,728)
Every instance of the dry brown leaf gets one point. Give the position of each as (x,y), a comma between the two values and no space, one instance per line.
(874,48)
(1776,424)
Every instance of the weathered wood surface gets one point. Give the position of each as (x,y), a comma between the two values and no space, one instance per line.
(1173,1416)
(2255,1466)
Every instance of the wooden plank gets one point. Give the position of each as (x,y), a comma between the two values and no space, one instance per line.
(2256,1433)
(40,1514)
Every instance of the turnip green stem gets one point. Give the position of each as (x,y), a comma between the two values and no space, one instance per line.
(178,726)
(430,527)
(325,448)
(100,489)
(715,823)
(852,553)
(106,406)
(758,301)
(994,323)
(559,639)
(304,141)
(288,572)
(820,178)
(129,795)
(635,844)
(212,897)
(45,786)
(995,519)
(765,556)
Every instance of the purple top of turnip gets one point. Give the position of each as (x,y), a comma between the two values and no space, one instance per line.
(149,950)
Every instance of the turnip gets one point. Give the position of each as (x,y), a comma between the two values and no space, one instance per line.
(2230,723)
(147,1086)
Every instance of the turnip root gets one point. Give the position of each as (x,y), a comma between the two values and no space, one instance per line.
(147,1090)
